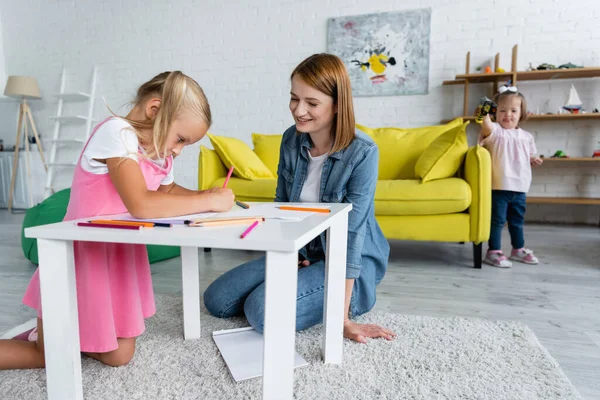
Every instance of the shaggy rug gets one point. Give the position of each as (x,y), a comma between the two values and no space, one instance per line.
(432,358)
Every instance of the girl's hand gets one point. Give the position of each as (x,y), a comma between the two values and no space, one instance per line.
(360,332)
(536,161)
(221,199)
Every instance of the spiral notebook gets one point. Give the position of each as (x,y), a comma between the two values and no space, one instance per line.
(242,350)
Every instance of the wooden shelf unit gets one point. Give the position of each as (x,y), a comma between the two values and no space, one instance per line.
(563,200)
(544,117)
(496,78)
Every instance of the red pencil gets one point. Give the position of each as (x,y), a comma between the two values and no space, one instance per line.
(132,227)
(228,176)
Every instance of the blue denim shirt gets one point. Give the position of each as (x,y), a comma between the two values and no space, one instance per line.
(349,176)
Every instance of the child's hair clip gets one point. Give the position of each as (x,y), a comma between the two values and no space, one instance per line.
(505,88)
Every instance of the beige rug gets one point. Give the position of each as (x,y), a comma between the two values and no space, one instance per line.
(432,358)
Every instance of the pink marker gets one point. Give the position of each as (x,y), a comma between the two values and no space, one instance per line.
(228,176)
(247,231)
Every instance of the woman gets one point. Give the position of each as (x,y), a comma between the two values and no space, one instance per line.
(322,159)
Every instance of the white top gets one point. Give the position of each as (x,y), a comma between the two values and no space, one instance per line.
(115,138)
(312,184)
(510,150)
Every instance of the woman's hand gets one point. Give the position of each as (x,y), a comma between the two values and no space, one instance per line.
(221,199)
(302,262)
(360,332)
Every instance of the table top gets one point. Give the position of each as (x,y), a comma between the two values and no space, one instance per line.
(271,235)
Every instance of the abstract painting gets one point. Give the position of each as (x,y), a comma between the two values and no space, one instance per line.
(386,54)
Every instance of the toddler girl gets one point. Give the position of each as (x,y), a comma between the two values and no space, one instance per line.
(513,152)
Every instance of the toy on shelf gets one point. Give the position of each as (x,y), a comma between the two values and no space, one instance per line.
(573,103)
(486,106)
(560,154)
(597,151)
(569,66)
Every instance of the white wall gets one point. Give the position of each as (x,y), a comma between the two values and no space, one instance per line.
(242,53)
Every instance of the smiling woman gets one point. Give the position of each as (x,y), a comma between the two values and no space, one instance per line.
(323,159)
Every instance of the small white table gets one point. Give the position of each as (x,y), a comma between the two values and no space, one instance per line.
(280,239)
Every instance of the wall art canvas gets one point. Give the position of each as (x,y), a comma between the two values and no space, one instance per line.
(386,54)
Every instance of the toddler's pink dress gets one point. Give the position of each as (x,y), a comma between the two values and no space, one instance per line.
(114,285)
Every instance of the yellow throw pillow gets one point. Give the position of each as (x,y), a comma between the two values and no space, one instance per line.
(444,156)
(234,152)
(266,148)
(400,148)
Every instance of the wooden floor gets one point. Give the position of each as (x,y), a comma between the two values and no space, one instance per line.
(559,299)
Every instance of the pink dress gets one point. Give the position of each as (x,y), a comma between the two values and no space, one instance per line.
(114,285)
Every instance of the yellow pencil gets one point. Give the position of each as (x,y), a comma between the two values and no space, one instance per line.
(291,208)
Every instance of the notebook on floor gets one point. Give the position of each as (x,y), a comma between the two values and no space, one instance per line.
(242,350)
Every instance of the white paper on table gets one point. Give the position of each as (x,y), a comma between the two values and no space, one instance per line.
(266,210)
(242,350)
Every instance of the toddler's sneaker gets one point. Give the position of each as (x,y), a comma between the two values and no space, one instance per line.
(496,258)
(523,255)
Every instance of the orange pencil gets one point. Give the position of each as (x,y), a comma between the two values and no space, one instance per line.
(292,208)
(123,223)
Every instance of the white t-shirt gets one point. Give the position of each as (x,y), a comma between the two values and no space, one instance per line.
(510,150)
(115,138)
(312,184)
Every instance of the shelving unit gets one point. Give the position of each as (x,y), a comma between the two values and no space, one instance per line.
(60,120)
(495,78)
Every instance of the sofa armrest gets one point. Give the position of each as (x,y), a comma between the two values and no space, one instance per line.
(478,174)
(210,168)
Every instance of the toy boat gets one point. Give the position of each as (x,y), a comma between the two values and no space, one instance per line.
(573,103)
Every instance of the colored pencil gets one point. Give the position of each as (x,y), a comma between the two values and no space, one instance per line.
(162,222)
(228,176)
(226,222)
(121,222)
(242,204)
(292,208)
(247,231)
(132,227)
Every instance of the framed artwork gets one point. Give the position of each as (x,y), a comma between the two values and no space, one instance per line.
(386,54)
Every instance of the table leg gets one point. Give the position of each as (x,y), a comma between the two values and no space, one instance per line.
(190,280)
(281,280)
(61,323)
(335,288)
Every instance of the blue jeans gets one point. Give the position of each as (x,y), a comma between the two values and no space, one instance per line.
(508,207)
(242,291)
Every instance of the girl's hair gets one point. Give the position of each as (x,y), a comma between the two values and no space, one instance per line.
(500,96)
(327,74)
(178,93)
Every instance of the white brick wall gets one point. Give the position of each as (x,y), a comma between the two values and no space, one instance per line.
(242,53)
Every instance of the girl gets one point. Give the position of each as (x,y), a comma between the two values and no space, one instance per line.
(126,166)
(322,159)
(513,151)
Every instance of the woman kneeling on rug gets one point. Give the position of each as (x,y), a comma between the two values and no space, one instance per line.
(322,159)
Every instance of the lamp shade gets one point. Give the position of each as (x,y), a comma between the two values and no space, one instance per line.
(22,86)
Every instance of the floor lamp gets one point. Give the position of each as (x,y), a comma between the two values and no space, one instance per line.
(23,87)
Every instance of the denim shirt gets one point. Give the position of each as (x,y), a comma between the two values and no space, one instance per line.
(349,176)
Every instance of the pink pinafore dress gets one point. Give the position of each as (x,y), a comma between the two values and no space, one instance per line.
(114,285)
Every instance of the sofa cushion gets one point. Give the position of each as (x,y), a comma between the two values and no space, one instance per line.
(255,190)
(442,158)
(411,197)
(266,148)
(400,148)
(234,152)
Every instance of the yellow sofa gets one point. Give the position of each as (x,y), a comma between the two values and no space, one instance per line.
(452,209)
